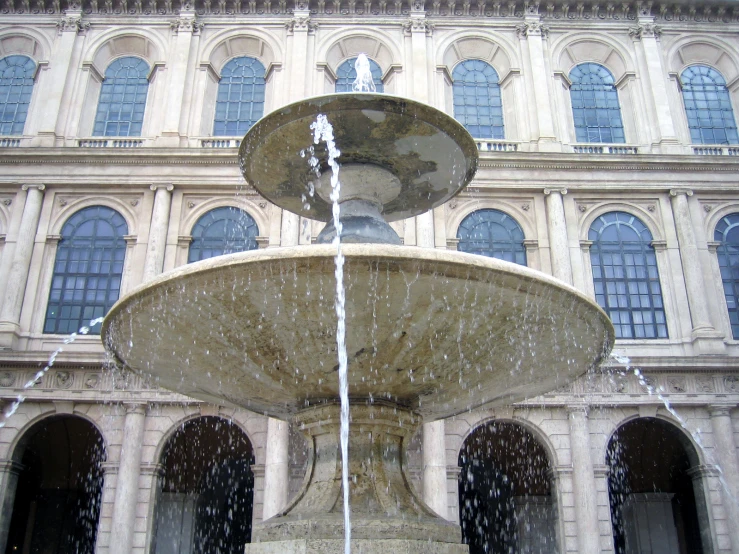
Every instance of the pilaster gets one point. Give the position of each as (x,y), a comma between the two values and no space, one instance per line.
(9,473)
(434,467)
(157,244)
(726,454)
(558,243)
(18,276)
(276,468)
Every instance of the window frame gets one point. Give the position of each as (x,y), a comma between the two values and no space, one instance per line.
(518,249)
(728,99)
(31,95)
(215,119)
(102,90)
(608,109)
(375,69)
(720,244)
(498,132)
(251,223)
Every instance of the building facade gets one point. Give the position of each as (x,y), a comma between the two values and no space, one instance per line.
(609,158)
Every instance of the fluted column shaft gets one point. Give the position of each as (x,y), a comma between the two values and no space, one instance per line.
(583,482)
(158,231)
(16,284)
(276,468)
(127,484)
(558,242)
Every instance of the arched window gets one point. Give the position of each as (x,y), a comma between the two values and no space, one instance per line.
(16,86)
(87,270)
(492,233)
(346,74)
(625,276)
(222,231)
(595,106)
(727,235)
(477,101)
(708,106)
(122,99)
(240,101)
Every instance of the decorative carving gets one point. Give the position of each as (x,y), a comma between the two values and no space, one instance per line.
(186,24)
(676,385)
(262,205)
(418,24)
(645,30)
(301,22)
(651,208)
(707,208)
(92,380)
(7,379)
(64,379)
(582,208)
(704,384)
(526,206)
(62,202)
(731,383)
(532,28)
(134,202)
(7,202)
(191,204)
(72,23)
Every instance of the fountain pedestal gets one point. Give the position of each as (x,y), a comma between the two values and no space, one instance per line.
(387,517)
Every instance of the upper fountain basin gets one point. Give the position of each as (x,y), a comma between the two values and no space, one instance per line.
(407,156)
(438,331)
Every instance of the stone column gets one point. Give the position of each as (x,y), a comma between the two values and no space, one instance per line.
(434,467)
(158,231)
(583,481)
(276,468)
(703,492)
(15,287)
(726,457)
(533,33)
(55,77)
(298,29)
(692,271)
(183,29)
(558,243)
(127,484)
(9,472)
(646,34)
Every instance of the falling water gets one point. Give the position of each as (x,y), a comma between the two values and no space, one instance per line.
(364,81)
(695,434)
(323,131)
(36,378)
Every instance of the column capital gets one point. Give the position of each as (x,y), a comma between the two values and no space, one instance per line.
(135,408)
(31,186)
(186,23)
(168,186)
(154,469)
(573,409)
(703,470)
(72,22)
(585,245)
(720,410)
(417,23)
(561,190)
(301,21)
(11,466)
(645,29)
(679,191)
(532,27)
(109,468)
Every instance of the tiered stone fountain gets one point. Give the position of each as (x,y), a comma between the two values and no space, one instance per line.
(430,333)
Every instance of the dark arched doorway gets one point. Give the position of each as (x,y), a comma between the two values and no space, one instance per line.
(651,489)
(207,490)
(506,504)
(57,500)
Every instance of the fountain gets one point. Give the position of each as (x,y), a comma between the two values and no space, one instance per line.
(429,333)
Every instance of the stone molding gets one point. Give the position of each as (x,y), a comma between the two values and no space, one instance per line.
(187,25)
(532,29)
(11,466)
(72,23)
(645,30)
(418,25)
(301,22)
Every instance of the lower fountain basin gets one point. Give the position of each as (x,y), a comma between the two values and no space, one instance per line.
(435,331)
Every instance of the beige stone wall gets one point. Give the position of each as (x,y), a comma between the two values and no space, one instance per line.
(655,176)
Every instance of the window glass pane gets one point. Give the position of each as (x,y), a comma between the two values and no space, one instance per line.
(708,106)
(222,231)
(477,100)
(16,86)
(346,74)
(492,233)
(727,235)
(595,107)
(122,100)
(240,98)
(624,265)
(86,284)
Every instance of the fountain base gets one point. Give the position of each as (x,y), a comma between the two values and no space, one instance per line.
(387,516)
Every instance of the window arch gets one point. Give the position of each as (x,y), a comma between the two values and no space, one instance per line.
(708,106)
(16,85)
(120,111)
(346,74)
(625,276)
(595,106)
(240,101)
(87,270)
(492,233)
(222,231)
(727,235)
(477,100)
